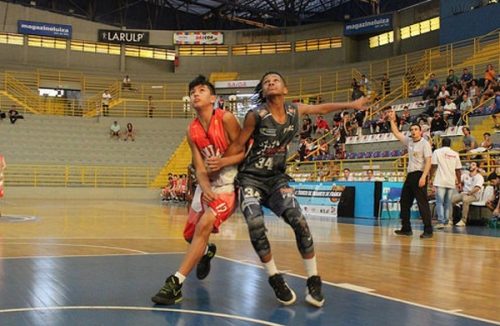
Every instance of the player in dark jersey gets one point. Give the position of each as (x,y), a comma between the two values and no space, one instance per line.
(263,181)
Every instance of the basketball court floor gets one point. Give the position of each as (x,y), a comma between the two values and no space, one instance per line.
(98,262)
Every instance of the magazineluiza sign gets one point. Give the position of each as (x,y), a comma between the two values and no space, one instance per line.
(43,29)
(369,25)
(198,38)
(129,37)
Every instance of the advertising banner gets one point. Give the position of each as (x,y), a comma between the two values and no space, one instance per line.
(194,38)
(368,25)
(318,199)
(119,36)
(44,29)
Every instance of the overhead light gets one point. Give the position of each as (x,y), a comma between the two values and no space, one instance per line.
(33,3)
(71,10)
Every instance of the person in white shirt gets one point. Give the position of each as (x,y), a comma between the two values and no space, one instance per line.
(415,185)
(449,109)
(114,130)
(347,175)
(472,185)
(106,98)
(446,167)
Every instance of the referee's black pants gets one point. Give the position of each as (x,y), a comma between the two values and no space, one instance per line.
(412,191)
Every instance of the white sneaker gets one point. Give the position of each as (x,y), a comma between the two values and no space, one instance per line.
(460,223)
(439,226)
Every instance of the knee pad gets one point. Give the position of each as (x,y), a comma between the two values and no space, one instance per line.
(257,231)
(294,218)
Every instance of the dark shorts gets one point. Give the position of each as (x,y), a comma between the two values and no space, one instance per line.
(273,193)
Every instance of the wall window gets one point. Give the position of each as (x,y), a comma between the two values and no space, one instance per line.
(151,53)
(318,44)
(203,50)
(381,39)
(422,27)
(262,48)
(94,47)
(9,38)
(46,42)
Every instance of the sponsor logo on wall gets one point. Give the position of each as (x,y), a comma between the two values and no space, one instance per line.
(43,29)
(118,36)
(182,38)
(369,25)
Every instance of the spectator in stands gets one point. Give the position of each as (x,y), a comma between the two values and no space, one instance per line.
(487,93)
(441,98)
(347,175)
(432,85)
(490,76)
(449,109)
(14,115)
(165,192)
(369,175)
(496,107)
(468,140)
(129,132)
(438,125)
(446,162)
(415,185)
(451,80)
(2,115)
(474,92)
(359,118)
(151,106)
(306,129)
(466,79)
(465,105)
(114,130)
(356,90)
(105,99)
(127,83)
(493,203)
(405,118)
(385,85)
(485,145)
(321,126)
(364,83)
(470,191)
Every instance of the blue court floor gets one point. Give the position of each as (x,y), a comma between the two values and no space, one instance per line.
(116,290)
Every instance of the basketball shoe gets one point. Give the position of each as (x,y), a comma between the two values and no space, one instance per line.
(283,292)
(203,267)
(313,291)
(170,293)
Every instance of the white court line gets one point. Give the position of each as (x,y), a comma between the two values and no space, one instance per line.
(367,291)
(75,245)
(193,312)
(105,255)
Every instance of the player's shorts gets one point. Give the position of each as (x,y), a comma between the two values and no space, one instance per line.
(222,207)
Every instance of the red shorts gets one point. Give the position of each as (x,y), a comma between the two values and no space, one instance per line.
(223,207)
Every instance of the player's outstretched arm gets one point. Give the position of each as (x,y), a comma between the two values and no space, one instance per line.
(325,108)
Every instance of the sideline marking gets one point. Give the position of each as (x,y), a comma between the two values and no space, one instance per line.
(194,312)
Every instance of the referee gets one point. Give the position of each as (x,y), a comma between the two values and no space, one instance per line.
(415,186)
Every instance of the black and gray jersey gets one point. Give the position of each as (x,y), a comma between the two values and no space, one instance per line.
(267,155)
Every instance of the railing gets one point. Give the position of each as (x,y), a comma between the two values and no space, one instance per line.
(466,115)
(79,176)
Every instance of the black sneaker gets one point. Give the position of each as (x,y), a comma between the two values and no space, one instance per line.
(170,293)
(284,294)
(203,267)
(313,291)
(403,232)
(426,235)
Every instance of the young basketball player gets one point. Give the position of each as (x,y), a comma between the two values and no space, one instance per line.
(263,182)
(209,135)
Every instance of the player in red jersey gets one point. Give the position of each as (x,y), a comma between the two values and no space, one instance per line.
(209,135)
(2,167)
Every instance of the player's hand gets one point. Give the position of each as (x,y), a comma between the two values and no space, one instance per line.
(360,103)
(208,196)
(391,115)
(214,163)
(496,212)
(421,182)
